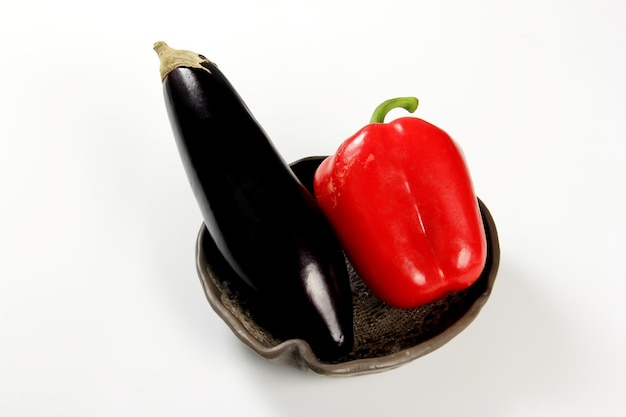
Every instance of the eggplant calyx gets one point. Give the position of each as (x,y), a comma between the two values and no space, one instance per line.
(174,58)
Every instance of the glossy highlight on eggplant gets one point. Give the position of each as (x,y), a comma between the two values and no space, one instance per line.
(265,223)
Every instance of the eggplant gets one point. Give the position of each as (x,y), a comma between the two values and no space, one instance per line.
(264,222)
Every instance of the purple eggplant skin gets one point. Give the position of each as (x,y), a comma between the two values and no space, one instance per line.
(265,223)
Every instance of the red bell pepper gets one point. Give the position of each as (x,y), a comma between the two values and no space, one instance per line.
(401,200)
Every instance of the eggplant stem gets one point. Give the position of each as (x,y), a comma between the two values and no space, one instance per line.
(175,58)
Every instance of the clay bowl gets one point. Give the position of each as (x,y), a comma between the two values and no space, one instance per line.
(385,337)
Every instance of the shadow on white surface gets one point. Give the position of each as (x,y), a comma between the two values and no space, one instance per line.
(520,355)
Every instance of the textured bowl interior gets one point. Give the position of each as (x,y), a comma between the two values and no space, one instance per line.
(385,337)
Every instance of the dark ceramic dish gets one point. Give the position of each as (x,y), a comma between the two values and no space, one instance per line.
(385,337)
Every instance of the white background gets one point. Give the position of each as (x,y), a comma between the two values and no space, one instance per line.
(101,310)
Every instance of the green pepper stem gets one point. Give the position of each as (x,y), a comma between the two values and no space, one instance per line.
(407,103)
